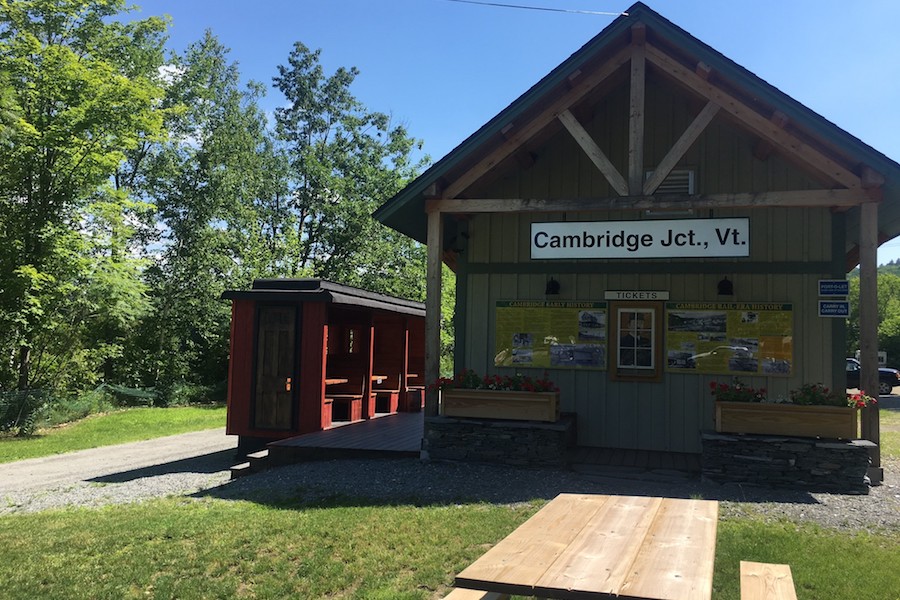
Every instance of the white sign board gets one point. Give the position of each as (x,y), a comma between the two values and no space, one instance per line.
(834,287)
(834,308)
(635,295)
(683,238)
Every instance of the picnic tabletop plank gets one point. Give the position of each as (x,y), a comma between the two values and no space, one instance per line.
(518,560)
(678,556)
(612,538)
(584,546)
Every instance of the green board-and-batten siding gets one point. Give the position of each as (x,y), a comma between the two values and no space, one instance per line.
(660,416)
(790,250)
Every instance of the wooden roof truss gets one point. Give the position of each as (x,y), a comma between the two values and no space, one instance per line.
(846,186)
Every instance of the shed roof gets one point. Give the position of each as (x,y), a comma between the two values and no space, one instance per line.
(319,290)
(802,130)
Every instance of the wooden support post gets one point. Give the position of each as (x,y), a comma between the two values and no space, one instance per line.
(868,330)
(433,310)
(636,116)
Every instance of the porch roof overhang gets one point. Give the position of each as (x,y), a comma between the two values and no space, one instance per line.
(856,172)
(293,291)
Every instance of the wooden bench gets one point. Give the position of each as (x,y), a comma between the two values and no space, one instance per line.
(464,594)
(346,398)
(387,393)
(766,581)
(415,393)
(415,398)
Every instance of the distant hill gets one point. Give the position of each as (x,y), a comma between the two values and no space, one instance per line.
(891,268)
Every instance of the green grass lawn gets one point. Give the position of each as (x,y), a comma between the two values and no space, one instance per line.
(219,549)
(210,548)
(890,433)
(118,427)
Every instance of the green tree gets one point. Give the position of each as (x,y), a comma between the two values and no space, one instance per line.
(8,112)
(216,183)
(345,161)
(888,314)
(84,88)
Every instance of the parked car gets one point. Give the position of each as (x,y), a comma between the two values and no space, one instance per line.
(888,378)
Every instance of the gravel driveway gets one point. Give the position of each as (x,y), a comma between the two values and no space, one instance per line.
(197,464)
(177,464)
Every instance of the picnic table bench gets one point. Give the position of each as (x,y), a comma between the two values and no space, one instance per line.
(765,581)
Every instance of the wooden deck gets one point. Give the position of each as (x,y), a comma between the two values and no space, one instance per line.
(400,435)
(382,437)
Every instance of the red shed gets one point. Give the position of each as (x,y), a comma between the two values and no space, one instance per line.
(309,354)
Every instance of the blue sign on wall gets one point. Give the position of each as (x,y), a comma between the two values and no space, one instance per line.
(834,308)
(834,287)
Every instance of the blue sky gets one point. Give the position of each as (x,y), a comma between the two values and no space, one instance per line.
(445,68)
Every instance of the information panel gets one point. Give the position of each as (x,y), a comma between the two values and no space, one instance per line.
(551,335)
(730,337)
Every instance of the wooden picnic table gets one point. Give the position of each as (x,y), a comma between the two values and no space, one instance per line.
(597,546)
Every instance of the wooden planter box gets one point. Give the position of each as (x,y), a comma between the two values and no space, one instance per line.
(501,404)
(786,419)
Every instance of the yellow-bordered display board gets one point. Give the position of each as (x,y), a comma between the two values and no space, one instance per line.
(551,335)
(732,338)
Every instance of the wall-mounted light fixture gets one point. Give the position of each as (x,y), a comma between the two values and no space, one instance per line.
(552,288)
(726,287)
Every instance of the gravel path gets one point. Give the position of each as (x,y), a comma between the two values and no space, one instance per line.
(173,465)
(199,467)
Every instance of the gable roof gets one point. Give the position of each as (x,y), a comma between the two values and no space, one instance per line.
(804,131)
(293,291)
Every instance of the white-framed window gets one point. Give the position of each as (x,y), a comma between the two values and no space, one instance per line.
(637,338)
(636,343)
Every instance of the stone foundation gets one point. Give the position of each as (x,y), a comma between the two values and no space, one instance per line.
(787,462)
(496,441)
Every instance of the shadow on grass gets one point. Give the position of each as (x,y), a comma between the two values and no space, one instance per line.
(394,482)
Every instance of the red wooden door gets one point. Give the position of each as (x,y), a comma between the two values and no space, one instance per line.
(276,377)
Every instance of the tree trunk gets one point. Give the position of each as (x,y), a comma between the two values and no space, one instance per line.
(24,367)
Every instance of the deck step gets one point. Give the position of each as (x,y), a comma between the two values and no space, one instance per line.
(240,470)
(258,460)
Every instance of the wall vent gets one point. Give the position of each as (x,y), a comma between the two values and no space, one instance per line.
(680,182)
